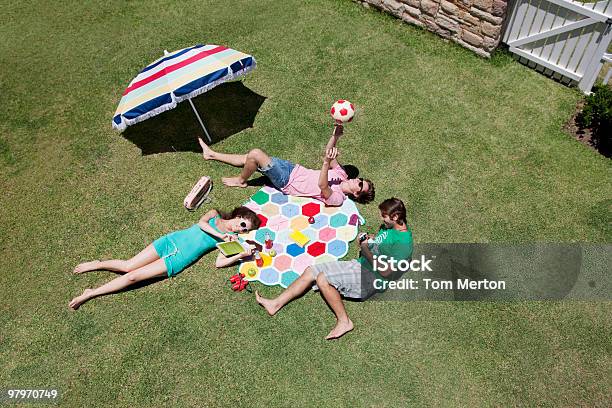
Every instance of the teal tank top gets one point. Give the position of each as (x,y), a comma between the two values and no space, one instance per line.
(192,242)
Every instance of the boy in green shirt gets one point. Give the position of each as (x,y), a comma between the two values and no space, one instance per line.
(393,243)
(355,278)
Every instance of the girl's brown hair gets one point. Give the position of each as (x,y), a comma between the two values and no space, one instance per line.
(394,207)
(242,212)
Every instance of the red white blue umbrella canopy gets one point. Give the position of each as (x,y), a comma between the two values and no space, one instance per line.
(177,76)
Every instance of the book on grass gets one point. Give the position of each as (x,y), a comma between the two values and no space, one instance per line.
(231,248)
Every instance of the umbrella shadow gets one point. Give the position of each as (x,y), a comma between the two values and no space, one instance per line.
(225,110)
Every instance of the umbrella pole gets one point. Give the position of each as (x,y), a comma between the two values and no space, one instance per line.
(200,120)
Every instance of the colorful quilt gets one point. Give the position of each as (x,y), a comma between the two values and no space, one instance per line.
(329,231)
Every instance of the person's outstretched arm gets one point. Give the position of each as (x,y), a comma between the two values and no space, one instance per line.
(205,226)
(333,140)
(330,156)
(223,261)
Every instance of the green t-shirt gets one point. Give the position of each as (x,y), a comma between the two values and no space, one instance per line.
(390,242)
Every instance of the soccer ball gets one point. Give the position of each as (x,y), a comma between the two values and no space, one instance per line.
(342,111)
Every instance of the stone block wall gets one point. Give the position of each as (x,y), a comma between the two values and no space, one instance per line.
(474,24)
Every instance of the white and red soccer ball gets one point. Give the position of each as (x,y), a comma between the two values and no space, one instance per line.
(342,111)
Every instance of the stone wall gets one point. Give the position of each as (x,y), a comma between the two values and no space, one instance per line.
(475,24)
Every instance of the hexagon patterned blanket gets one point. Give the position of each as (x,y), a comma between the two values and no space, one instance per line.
(328,229)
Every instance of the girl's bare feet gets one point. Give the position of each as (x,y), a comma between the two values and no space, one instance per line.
(233,181)
(267,304)
(207,152)
(86,267)
(79,300)
(341,328)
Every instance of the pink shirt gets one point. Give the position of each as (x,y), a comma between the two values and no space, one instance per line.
(304,182)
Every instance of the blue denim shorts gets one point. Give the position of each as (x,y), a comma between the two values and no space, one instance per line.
(278,171)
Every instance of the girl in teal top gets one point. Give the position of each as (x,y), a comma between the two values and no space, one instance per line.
(172,253)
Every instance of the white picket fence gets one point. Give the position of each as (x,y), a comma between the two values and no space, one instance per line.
(565,39)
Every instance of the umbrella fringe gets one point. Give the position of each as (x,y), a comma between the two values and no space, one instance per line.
(208,87)
(125,122)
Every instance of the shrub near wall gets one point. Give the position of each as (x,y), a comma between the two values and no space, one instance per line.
(475,24)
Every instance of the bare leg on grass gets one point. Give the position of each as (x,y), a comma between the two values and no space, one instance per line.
(296,289)
(144,257)
(153,270)
(249,162)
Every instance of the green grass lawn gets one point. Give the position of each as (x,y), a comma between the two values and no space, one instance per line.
(473,146)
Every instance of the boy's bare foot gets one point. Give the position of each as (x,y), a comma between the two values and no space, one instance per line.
(86,267)
(207,152)
(342,327)
(233,181)
(79,300)
(267,304)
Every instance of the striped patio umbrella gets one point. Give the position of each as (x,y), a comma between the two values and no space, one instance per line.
(177,76)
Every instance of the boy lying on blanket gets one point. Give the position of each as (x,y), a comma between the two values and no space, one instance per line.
(330,184)
(357,278)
